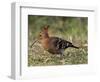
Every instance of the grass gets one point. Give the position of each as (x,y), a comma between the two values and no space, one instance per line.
(73,29)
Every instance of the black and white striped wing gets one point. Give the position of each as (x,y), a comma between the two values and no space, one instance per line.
(60,43)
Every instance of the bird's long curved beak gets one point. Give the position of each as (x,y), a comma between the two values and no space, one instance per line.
(33,43)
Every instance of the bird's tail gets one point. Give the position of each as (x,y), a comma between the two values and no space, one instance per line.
(74,46)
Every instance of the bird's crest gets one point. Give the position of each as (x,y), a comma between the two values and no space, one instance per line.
(45,28)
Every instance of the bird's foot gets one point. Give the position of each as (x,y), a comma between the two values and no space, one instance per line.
(62,56)
(58,55)
(62,61)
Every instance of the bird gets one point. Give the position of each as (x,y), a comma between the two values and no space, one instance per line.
(52,44)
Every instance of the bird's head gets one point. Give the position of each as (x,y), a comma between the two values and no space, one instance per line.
(44,32)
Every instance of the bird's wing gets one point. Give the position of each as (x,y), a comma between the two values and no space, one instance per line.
(59,43)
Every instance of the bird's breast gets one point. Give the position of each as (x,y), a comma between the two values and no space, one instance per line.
(45,43)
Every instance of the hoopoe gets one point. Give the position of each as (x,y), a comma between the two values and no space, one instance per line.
(54,45)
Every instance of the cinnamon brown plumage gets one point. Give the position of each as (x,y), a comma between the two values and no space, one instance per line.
(54,45)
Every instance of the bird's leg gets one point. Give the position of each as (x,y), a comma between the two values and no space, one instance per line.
(62,53)
(62,60)
(62,56)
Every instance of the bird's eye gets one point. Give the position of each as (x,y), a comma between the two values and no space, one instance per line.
(40,35)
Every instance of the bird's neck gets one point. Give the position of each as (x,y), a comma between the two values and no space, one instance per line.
(46,36)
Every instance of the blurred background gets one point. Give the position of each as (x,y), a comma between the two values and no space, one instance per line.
(73,29)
